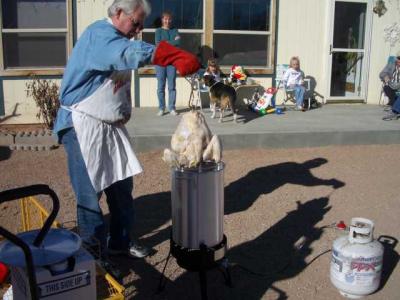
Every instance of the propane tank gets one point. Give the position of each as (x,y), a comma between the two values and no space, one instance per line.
(356,263)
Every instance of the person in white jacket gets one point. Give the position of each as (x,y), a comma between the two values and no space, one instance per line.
(294,79)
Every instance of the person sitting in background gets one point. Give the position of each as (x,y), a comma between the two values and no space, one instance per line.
(214,70)
(390,76)
(170,35)
(293,79)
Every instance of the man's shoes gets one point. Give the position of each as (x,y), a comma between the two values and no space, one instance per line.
(173,112)
(391,116)
(134,251)
(387,108)
(160,113)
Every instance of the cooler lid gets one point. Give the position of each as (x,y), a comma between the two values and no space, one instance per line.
(58,245)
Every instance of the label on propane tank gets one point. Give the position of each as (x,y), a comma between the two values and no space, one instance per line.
(64,284)
(360,271)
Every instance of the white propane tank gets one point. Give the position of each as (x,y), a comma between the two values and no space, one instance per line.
(356,263)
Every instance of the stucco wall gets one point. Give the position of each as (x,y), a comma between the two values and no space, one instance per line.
(19,109)
(302,30)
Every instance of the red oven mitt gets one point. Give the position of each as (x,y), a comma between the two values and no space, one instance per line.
(185,62)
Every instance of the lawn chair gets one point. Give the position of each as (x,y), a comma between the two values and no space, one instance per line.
(196,89)
(288,94)
(383,99)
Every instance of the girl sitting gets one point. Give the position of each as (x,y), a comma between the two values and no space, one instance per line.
(214,70)
(294,79)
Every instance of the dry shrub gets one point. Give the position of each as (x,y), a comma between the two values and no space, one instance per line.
(46,95)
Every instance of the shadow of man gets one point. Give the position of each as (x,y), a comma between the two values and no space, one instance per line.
(242,193)
(272,256)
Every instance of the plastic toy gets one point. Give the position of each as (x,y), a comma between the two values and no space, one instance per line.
(263,104)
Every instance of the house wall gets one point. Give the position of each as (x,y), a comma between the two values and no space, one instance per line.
(18,107)
(381,50)
(302,30)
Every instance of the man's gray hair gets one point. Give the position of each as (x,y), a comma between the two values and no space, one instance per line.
(128,6)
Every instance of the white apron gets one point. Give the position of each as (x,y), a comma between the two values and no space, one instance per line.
(103,139)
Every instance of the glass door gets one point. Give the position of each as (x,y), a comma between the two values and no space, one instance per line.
(349,49)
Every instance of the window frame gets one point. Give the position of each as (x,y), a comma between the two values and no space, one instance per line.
(208,39)
(24,71)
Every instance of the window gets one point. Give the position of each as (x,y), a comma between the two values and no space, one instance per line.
(242,32)
(238,32)
(187,17)
(35,35)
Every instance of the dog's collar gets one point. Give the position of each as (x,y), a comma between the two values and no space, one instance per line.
(214,84)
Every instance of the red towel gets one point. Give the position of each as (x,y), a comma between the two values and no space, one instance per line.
(166,54)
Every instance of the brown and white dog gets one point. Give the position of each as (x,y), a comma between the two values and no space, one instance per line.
(221,95)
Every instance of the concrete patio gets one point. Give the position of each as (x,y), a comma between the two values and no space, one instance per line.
(332,124)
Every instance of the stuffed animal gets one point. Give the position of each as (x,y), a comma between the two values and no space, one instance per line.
(237,75)
(192,143)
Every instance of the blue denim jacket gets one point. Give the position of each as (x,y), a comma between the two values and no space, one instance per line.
(100,50)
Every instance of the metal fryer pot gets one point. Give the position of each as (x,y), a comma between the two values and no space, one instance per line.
(198,205)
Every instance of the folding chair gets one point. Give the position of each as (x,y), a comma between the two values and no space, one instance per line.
(288,94)
(196,89)
(194,98)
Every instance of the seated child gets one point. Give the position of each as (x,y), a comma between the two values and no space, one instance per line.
(293,79)
(214,70)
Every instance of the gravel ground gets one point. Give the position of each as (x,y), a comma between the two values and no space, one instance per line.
(276,202)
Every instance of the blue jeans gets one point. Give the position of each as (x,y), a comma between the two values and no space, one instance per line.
(396,105)
(89,215)
(166,74)
(299,91)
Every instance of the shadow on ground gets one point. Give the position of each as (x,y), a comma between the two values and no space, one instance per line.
(390,258)
(272,256)
(275,252)
(154,210)
(242,193)
(5,153)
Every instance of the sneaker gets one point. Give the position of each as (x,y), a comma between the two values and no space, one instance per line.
(387,108)
(160,113)
(173,112)
(391,116)
(133,251)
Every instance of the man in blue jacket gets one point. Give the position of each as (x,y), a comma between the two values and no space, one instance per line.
(104,47)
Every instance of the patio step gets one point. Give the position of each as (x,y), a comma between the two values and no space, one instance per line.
(333,124)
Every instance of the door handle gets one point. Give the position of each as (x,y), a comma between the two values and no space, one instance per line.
(330,49)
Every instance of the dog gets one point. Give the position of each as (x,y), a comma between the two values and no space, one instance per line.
(222,95)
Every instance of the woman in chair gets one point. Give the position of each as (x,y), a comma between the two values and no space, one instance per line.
(390,76)
(294,79)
